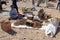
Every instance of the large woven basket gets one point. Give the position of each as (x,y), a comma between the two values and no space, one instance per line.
(6,26)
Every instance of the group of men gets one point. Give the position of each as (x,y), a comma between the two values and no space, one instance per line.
(14,2)
(38,3)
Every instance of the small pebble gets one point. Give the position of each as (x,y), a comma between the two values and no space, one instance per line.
(31,39)
(37,32)
(24,38)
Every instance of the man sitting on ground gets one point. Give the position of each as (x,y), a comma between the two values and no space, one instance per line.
(13,13)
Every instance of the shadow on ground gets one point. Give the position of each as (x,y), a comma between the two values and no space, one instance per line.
(11,32)
(58,30)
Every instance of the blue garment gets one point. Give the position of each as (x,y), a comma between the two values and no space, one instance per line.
(13,13)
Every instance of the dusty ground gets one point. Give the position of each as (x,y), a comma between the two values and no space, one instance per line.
(28,34)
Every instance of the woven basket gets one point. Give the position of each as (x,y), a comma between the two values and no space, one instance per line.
(6,26)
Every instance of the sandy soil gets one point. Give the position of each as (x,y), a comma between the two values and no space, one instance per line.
(28,34)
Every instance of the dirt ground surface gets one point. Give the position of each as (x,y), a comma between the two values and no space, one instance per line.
(28,34)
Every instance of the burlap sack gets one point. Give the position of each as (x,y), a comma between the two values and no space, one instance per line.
(20,22)
(37,24)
